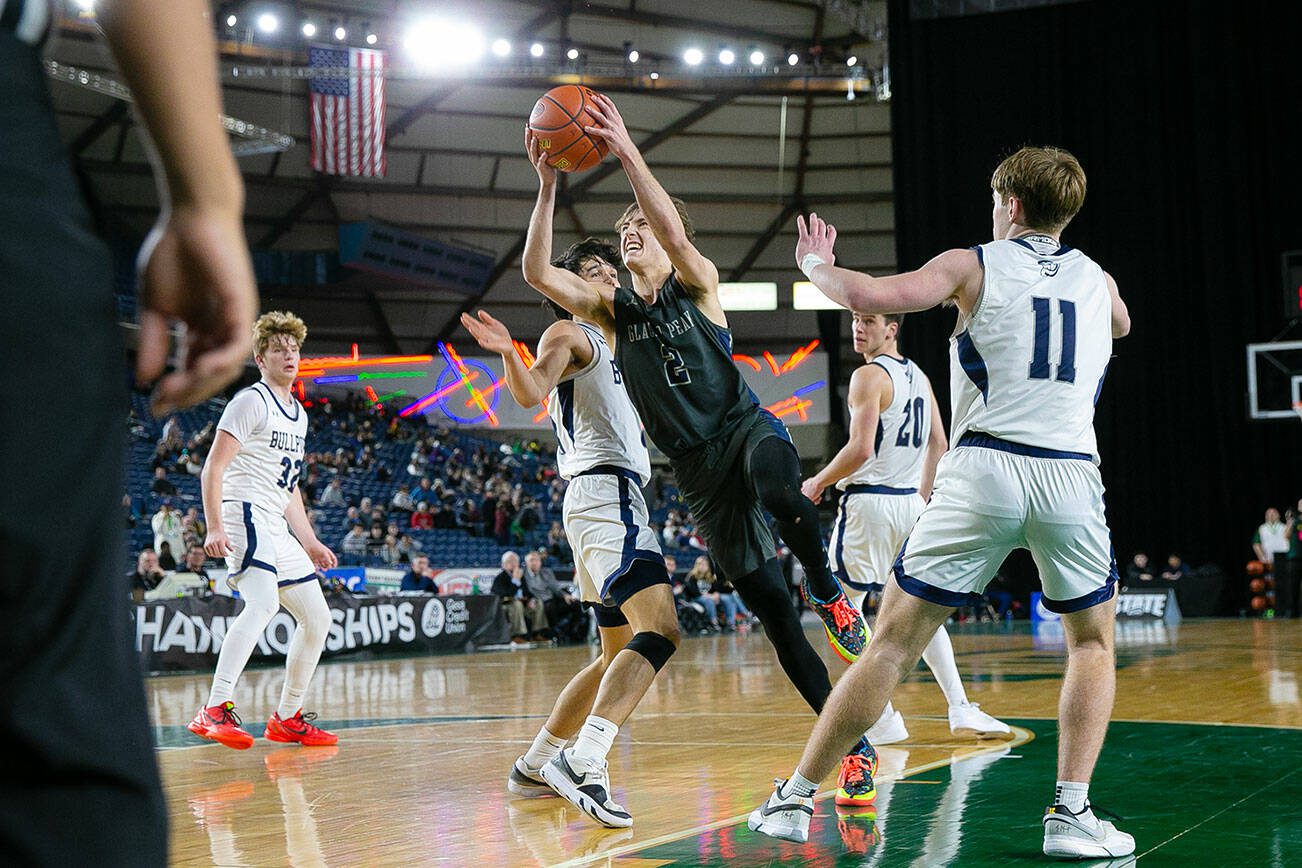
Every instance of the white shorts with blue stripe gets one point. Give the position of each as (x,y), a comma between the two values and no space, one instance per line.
(606,521)
(872,523)
(261,538)
(993,496)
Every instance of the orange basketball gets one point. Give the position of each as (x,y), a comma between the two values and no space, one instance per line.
(1256,568)
(1258,604)
(557,121)
(1257,586)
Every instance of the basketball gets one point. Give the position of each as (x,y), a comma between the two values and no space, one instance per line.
(1257,586)
(557,120)
(1258,604)
(1256,568)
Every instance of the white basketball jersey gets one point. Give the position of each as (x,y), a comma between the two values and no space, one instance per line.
(265,470)
(900,445)
(594,420)
(1027,365)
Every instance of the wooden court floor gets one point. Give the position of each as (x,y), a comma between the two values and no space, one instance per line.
(1204,760)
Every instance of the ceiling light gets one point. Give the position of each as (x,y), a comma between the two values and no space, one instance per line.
(757,58)
(633,56)
(693,56)
(340,33)
(851,60)
(793,59)
(536,50)
(501,47)
(309,29)
(231,21)
(268,23)
(441,42)
(572,54)
(655,76)
(726,57)
(371,39)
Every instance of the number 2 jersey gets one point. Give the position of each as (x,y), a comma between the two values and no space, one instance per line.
(1027,364)
(265,470)
(678,369)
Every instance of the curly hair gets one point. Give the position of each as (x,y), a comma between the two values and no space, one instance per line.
(274,324)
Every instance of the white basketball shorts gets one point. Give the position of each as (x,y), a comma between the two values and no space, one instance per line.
(872,523)
(998,496)
(606,521)
(261,538)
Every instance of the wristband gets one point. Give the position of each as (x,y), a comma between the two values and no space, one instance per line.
(809,262)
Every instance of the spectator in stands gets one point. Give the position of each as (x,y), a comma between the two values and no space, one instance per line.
(352,516)
(561,606)
(424,493)
(696,588)
(733,608)
(193,527)
(671,566)
(1175,569)
(354,542)
(389,552)
(489,510)
(170,438)
(468,516)
(1288,581)
(420,577)
(421,519)
(1138,569)
(333,494)
(161,485)
(672,529)
(166,560)
(376,517)
(312,520)
(147,574)
(375,540)
(502,522)
(510,587)
(401,500)
(194,563)
(559,544)
(129,508)
(408,547)
(1271,539)
(444,519)
(166,525)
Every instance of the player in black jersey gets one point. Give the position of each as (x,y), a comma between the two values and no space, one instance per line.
(731,458)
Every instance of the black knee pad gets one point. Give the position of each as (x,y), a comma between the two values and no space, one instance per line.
(656,649)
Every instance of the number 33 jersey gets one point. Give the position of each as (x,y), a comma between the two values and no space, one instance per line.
(265,471)
(1027,364)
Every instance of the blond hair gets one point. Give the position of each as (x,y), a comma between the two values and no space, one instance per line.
(679,205)
(1049,183)
(274,324)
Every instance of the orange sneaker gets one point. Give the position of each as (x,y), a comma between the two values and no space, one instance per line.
(299,728)
(854,785)
(221,724)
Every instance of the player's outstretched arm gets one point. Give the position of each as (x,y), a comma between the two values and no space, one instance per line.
(693,268)
(1120,314)
(592,301)
(194,266)
(953,275)
(318,552)
(937,444)
(870,391)
(224,449)
(562,350)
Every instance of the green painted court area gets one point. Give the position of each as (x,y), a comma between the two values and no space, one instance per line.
(1192,795)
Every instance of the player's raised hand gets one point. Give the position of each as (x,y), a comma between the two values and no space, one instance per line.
(195,270)
(321,556)
(609,126)
(817,237)
(217,544)
(490,333)
(537,156)
(811,489)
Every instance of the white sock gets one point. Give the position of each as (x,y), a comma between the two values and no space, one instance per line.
(308,606)
(544,747)
(596,738)
(798,785)
(1073,795)
(258,590)
(939,657)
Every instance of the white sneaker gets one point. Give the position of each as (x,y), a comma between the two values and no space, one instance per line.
(785,817)
(584,783)
(1083,835)
(970,721)
(888,729)
(527,782)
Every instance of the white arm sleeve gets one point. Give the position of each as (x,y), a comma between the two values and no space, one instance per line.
(245,414)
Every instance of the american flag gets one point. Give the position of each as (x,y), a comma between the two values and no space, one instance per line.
(347,115)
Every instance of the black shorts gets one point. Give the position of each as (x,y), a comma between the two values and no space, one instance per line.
(715,482)
(81,785)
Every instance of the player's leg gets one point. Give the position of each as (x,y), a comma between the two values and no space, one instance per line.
(765,593)
(307,604)
(965,717)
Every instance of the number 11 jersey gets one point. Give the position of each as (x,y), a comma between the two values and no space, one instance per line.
(265,471)
(1027,364)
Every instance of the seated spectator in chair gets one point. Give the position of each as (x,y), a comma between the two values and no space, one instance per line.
(563,608)
(424,493)
(1138,570)
(510,587)
(129,508)
(420,577)
(408,548)
(375,540)
(559,544)
(333,494)
(147,575)
(166,560)
(401,500)
(194,563)
(1271,539)
(193,527)
(1175,569)
(443,517)
(422,519)
(731,602)
(161,485)
(696,588)
(389,552)
(351,517)
(354,542)
(468,518)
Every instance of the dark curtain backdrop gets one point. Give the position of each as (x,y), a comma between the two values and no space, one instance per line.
(1185,117)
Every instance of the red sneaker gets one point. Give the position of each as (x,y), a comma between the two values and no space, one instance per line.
(221,724)
(299,729)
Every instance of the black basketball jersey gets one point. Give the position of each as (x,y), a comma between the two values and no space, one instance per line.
(678,369)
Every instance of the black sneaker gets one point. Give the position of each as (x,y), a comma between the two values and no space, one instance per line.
(585,784)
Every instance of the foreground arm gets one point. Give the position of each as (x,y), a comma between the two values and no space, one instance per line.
(563,349)
(195,264)
(317,551)
(870,390)
(937,443)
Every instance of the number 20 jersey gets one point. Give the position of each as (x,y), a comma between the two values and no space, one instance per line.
(265,470)
(1027,365)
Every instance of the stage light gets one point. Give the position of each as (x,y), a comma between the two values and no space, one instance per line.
(536,50)
(572,54)
(693,56)
(727,56)
(501,47)
(851,60)
(435,42)
(231,20)
(633,56)
(793,59)
(341,33)
(309,29)
(757,58)
(268,23)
